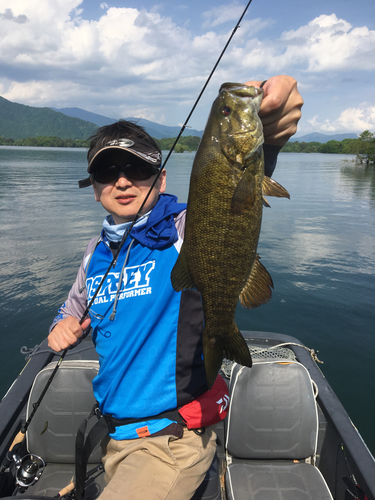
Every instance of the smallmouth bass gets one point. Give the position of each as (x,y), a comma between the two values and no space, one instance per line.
(219,254)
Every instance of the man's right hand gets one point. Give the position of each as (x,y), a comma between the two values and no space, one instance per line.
(66,333)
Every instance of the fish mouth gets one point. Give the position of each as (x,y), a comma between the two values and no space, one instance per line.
(241,90)
(249,130)
(244,132)
(249,96)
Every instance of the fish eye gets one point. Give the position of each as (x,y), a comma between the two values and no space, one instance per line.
(226,111)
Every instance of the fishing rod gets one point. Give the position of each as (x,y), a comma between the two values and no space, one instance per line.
(127,232)
(20,436)
(197,101)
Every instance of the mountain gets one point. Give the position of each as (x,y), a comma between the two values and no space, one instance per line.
(98,120)
(154,129)
(164,130)
(323,138)
(19,121)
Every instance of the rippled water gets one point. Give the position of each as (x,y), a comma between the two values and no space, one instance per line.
(319,248)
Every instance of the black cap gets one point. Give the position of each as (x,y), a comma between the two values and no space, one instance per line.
(120,151)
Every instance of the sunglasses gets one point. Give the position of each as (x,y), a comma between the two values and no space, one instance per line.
(110,173)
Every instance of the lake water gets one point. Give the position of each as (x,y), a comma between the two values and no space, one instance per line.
(319,248)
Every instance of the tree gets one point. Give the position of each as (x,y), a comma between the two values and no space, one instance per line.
(366,147)
(333,147)
(371,152)
(350,146)
(180,148)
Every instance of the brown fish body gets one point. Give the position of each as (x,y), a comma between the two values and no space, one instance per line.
(223,221)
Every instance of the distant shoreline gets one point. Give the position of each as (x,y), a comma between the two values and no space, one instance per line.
(190,143)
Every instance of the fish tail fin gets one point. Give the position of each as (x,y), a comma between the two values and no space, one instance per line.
(233,347)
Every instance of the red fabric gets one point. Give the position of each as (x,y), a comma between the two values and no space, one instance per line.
(209,408)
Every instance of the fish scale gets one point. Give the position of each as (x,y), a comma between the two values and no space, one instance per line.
(223,221)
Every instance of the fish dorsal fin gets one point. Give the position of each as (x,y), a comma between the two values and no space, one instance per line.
(273,188)
(244,194)
(180,275)
(257,290)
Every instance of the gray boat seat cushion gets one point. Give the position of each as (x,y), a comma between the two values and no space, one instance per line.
(275,482)
(272,431)
(69,399)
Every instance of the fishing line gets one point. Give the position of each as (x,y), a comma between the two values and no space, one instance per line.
(127,232)
(20,436)
(192,111)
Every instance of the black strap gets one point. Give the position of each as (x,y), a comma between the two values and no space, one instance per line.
(171,414)
(105,424)
(85,448)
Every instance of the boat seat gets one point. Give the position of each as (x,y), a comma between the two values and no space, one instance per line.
(272,434)
(52,432)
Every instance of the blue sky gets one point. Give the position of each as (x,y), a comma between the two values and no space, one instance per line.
(148,59)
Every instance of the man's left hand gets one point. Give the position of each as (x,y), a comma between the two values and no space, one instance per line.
(280,110)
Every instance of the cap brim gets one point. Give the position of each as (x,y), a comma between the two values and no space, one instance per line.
(85,182)
(119,154)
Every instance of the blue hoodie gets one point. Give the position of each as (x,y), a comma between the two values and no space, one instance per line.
(150,351)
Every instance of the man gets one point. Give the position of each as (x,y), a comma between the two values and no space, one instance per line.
(147,335)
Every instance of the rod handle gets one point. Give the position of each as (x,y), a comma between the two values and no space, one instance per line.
(9,456)
(66,490)
(18,439)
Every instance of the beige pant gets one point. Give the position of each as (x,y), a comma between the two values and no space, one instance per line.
(158,468)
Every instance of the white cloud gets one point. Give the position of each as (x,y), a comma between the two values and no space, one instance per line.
(358,118)
(9,16)
(329,43)
(139,62)
(125,46)
(122,60)
(355,119)
(325,44)
(37,92)
(324,126)
(226,13)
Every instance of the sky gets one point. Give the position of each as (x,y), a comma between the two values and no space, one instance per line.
(150,59)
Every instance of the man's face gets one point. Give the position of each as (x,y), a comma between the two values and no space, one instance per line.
(123,198)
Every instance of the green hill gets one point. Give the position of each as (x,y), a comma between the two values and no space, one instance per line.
(18,121)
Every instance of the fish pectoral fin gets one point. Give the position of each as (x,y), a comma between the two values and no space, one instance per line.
(273,188)
(244,194)
(180,275)
(265,202)
(257,290)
